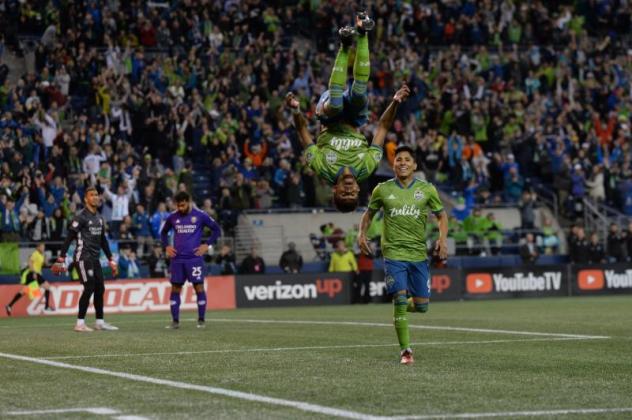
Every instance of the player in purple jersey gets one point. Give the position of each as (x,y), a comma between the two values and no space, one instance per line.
(187,262)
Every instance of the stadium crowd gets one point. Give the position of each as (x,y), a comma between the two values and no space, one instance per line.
(133,95)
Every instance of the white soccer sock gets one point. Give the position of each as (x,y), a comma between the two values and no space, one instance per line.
(81,322)
(100,322)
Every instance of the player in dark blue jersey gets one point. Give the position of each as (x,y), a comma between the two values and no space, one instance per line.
(187,262)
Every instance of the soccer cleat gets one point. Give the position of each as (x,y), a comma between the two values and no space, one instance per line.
(364,23)
(9,309)
(346,34)
(49,310)
(173,326)
(406,357)
(104,326)
(82,328)
(201,323)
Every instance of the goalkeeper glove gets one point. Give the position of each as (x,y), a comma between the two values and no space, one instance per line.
(59,267)
(113,267)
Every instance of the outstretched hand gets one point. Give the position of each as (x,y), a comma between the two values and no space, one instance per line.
(291,101)
(113,267)
(402,94)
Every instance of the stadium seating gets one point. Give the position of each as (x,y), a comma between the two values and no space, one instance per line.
(86,103)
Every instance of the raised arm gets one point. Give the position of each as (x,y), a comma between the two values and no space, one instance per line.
(300,123)
(387,118)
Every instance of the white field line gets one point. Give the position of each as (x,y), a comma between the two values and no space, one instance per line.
(516,414)
(69,322)
(341,323)
(299,405)
(314,408)
(91,410)
(277,349)
(421,327)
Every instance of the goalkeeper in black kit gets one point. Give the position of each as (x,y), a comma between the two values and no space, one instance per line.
(88,229)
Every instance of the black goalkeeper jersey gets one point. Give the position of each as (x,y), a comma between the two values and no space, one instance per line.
(89,230)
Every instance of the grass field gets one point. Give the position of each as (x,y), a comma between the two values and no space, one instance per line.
(556,358)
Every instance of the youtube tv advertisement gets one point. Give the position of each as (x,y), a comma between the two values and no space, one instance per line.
(602,279)
(505,282)
(256,291)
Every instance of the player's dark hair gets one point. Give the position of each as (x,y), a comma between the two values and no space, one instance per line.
(182,196)
(91,188)
(346,205)
(404,148)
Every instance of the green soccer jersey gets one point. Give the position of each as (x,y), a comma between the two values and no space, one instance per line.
(405,216)
(338,147)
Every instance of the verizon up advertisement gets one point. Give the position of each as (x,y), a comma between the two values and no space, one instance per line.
(293,290)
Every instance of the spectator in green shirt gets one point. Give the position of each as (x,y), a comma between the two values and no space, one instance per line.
(474,225)
(493,234)
(456,232)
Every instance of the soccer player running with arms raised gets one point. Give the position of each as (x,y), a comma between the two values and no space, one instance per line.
(406,201)
(88,229)
(187,262)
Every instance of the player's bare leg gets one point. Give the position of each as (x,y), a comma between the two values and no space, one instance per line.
(418,304)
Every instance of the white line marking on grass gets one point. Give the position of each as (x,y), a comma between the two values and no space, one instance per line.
(92,410)
(421,327)
(516,414)
(350,323)
(299,405)
(276,349)
(69,323)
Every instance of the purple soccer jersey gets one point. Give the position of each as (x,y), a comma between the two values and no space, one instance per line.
(188,229)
